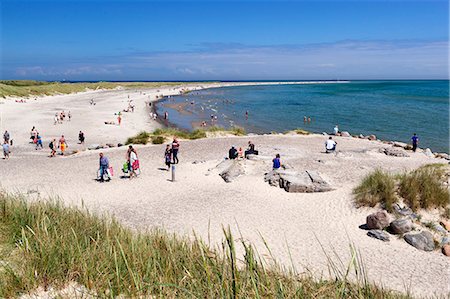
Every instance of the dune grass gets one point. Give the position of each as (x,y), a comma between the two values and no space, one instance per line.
(29,88)
(376,188)
(140,138)
(46,244)
(422,188)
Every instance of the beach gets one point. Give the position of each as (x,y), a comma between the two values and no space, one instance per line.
(295,226)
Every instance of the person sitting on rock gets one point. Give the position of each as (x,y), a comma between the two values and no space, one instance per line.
(330,145)
(276,162)
(232,153)
(251,149)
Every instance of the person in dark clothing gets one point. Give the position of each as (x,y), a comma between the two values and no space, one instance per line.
(415,142)
(168,157)
(251,149)
(104,165)
(276,162)
(81,137)
(232,153)
(175,148)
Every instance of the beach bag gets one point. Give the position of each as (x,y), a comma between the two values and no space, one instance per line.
(110,171)
(125,167)
(135,165)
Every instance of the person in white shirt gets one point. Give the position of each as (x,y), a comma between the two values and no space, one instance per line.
(330,145)
(336,130)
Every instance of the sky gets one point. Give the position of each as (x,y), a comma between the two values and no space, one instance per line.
(223,40)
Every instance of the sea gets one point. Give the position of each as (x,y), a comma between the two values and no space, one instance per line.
(391,110)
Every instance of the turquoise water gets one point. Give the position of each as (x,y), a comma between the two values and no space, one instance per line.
(392,110)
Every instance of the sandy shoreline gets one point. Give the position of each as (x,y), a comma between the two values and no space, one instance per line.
(201,201)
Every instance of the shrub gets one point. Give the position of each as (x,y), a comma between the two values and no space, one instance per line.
(302,132)
(158,139)
(238,131)
(423,188)
(377,187)
(141,138)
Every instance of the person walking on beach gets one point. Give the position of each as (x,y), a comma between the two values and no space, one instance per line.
(104,165)
(132,160)
(38,142)
(55,119)
(52,146)
(6,136)
(6,150)
(175,149)
(276,162)
(119,119)
(168,156)
(81,137)
(415,142)
(69,115)
(62,144)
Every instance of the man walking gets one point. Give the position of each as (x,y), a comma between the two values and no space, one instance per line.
(415,142)
(104,165)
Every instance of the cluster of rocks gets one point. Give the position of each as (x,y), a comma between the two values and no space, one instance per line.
(381,227)
(102,146)
(297,181)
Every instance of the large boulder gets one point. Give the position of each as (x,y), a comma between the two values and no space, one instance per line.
(400,226)
(400,144)
(422,241)
(396,152)
(428,153)
(230,173)
(294,181)
(372,137)
(378,220)
(378,234)
(345,134)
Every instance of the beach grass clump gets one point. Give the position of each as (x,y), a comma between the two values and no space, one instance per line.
(158,139)
(377,187)
(45,244)
(237,131)
(301,132)
(423,188)
(141,138)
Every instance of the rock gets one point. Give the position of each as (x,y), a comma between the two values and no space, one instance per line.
(404,211)
(442,156)
(422,241)
(198,161)
(294,181)
(428,153)
(378,220)
(94,147)
(110,145)
(399,144)
(324,134)
(378,234)
(372,137)
(345,134)
(119,144)
(390,151)
(446,224)
(361,136)
(445,240)
(232,172)
(439,228)
(408,147)
(400,226)
(446,250)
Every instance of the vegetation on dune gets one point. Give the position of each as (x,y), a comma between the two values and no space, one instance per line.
(29,88)
(422,188)
(140,138)
(45,244)
(376,188)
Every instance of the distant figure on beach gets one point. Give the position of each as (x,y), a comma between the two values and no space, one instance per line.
(55,119)
(232,153)
(336,130)
(166,115)
(38,141)
(276,162)
(104,166)
(305,119)
(6,150)
(168,156)
(33,134)
(246,115)
(6,136)
(415,142)
(81,137)
(52,146)
(62,144)
(119,119)
(203,123)
(330,145)
(309,119)
(133,162)
(251,149)
(240,153)
(69,115)
(175,149)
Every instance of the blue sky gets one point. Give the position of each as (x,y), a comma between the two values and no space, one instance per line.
(218,40)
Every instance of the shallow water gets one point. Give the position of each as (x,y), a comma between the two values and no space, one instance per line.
(392,110)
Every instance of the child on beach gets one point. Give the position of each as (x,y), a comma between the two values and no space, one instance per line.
(6,150)
(62,144)
(52,146)
(168,157)
(38,141)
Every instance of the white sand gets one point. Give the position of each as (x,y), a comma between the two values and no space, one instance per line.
(201,201)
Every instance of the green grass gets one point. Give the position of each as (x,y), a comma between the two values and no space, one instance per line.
(141,138)
(376,188)
(47,244)
(198,133)
(28,88)
(158,139)
(423,188)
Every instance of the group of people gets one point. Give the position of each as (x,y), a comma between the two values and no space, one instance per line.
(6,143)
(235,153)
(171,153)
(131,166)
(60,117)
